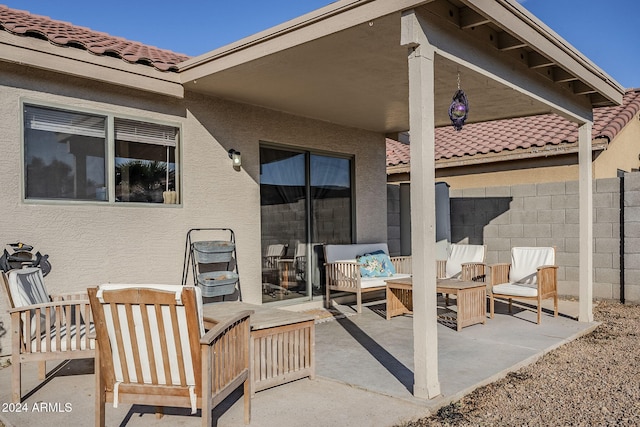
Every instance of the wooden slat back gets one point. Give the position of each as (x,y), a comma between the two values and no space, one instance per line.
(148,336)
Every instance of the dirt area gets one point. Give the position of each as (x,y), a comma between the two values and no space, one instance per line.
(593,380)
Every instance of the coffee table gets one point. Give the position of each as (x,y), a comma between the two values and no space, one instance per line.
(470,299)
(282,345)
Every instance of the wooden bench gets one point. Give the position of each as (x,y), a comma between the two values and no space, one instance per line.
(282,346)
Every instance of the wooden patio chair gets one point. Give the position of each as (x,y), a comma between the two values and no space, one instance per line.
(270,268)
(43,327)
(465,262)
(152,349)
(532,275)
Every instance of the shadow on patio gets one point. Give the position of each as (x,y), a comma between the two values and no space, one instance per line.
(364,375)
(374,354)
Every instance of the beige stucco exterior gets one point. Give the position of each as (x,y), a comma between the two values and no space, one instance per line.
(93,243)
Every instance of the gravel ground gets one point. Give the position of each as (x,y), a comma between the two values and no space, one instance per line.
(592,381)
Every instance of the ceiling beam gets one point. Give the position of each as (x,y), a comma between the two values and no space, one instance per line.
(470,18)
(508,42)
(580,88)
(598,100)
(537,60)
(560,75)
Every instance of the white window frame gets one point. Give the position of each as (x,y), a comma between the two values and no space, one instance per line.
(110,118)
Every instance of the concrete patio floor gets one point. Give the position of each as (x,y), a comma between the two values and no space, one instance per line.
(364,367)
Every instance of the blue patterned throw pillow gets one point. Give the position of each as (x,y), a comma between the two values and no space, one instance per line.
(376,265)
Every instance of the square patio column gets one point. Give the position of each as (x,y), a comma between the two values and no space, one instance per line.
(586,223)
(423,216)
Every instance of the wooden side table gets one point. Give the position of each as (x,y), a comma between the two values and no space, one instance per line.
(399,297)
(282,345)
(471,298)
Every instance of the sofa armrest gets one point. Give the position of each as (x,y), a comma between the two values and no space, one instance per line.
(342,275)
(402,264)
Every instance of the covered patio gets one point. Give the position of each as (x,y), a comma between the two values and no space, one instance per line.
(383,67)
(393,66)
(364,374)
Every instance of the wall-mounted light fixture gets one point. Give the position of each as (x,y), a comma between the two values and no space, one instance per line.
(236,158)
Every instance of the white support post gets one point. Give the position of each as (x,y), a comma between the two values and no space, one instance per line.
(423,216)
(586,223)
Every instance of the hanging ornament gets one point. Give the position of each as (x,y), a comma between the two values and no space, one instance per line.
(459,108)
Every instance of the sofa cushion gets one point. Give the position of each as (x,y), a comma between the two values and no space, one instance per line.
(376,265)
(380,282)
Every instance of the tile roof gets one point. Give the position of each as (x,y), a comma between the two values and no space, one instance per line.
(543,131)
(59,33)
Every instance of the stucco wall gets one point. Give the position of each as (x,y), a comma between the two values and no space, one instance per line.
(92,243)
(623,153)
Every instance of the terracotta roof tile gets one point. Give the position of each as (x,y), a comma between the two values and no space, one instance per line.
(61,33)
(543,131)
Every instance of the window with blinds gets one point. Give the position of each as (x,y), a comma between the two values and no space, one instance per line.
(66,157)
(145,162)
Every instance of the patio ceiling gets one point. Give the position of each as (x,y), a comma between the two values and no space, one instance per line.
(345,64)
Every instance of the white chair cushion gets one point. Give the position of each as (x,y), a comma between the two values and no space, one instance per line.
(62,339)
(461,254)
(374,282)
(26,286)
(525,262)
(516,290)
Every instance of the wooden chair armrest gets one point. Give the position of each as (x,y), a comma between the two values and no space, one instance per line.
(547,279)
(342,270)
(441,268)
(474,271)
(80,295)
(52,304)
(499,273)
(222,326)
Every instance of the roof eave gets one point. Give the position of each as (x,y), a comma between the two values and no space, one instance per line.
(80,63)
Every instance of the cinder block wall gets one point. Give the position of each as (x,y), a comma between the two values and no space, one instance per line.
(632,236)
(548,215)
(544,214)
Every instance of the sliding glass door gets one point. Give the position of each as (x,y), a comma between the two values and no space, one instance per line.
(306,202)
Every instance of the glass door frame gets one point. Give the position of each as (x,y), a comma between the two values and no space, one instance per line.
(309,221)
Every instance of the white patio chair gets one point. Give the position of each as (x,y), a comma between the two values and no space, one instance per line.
(532,275)
(152,349)
(44,328)
(465,262)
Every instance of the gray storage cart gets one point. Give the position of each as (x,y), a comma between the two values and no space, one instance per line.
(213,263)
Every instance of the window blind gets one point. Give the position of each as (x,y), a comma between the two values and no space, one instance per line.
(61,121)
(148,133)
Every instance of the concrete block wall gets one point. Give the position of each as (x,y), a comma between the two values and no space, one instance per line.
(632,236)
(547,214)
(393,219)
